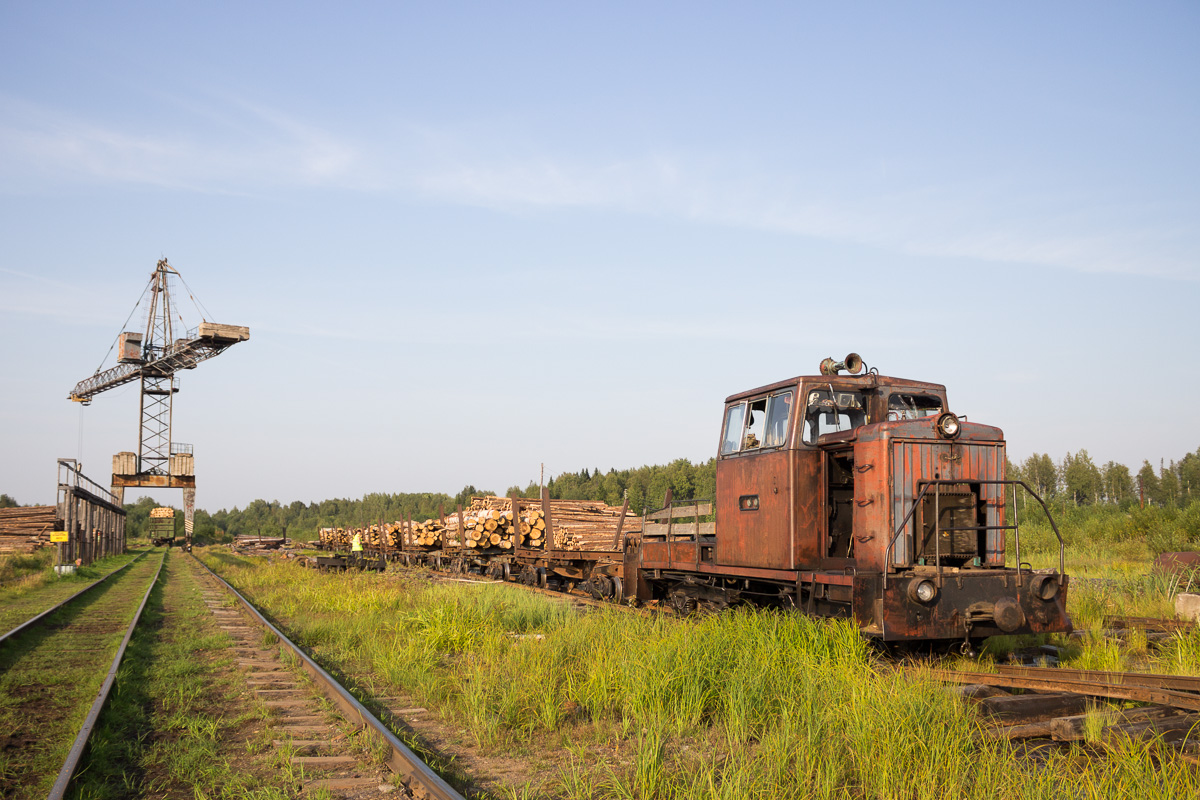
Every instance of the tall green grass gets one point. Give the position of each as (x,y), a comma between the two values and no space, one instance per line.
(747,704)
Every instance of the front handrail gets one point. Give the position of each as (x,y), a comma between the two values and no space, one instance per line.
(1062,546)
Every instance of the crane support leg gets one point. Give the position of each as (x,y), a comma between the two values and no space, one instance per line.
(189,513)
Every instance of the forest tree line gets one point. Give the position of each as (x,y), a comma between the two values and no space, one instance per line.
(1075,480)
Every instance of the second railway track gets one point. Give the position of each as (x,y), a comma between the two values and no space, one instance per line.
(51,672)
(265,697)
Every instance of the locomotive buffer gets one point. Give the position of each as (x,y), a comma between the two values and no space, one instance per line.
(153,356)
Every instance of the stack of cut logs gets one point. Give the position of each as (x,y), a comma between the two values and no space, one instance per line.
(490,522)
(425,534)
(589,525)
(26,528)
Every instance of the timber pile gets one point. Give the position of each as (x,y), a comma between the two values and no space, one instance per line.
(578,524)
(26,528)
(428,533)
(490,522)
(589,525)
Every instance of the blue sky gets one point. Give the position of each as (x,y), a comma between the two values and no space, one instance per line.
(472,238)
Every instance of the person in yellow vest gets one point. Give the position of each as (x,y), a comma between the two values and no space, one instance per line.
(356,546)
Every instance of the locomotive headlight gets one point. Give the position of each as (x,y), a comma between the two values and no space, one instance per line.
(922,591)
(948,425)
(1044,587)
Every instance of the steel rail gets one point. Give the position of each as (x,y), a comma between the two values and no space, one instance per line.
(68,769)
(1149,623)
(1141,694)
(1178,683)
(423,781)
(90,586)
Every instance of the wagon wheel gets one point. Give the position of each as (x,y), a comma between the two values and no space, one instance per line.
(618,589)
(506,571)
(542,582)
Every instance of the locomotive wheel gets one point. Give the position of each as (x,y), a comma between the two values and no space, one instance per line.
(618,590)
(682,603)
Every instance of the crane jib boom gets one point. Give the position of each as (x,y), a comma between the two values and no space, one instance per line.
(211,339)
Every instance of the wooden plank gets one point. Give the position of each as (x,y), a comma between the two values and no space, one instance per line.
(655,529)
(681,511)
(1029,708)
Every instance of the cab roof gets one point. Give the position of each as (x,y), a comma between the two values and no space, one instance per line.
(868,381)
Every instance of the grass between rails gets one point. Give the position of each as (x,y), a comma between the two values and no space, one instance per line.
(180,722)
(611,705)
(29,585)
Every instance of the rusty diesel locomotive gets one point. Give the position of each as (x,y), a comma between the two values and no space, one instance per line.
(844,494)
(859,496)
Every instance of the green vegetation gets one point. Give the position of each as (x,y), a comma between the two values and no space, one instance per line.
(646,487)
(749,704)
(29,585)
(179,721)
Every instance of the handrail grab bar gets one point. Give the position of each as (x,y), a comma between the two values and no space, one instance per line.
(1062,546)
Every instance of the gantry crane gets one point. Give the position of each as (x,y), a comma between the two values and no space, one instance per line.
(153,357)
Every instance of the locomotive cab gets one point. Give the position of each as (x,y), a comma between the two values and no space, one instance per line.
(860,496)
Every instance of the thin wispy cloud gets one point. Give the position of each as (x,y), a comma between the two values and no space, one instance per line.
(249,148)
(40,143)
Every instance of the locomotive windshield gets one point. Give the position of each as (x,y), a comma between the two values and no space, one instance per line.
(913,406)
(831,412)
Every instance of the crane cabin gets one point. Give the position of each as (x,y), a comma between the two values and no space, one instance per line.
(852,494)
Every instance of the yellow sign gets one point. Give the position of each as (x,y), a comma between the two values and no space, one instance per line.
(60,536)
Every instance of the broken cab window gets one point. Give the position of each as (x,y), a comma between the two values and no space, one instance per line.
(779,413)
(912,406)
(732,439)
(756,421)
(832,412)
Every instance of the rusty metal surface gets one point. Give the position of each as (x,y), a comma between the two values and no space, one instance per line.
(1177,563)
(760,538)
(1093,688)
(1149,624)
(961,592)
(1178,683)
(918,461)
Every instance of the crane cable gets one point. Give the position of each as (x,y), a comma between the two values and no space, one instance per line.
(124,326)
(195,302)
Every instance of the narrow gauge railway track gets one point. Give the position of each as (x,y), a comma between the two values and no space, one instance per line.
(1172,690)
(53,665)
(1148,624)
(421,781)
(38,617)
(1064,705)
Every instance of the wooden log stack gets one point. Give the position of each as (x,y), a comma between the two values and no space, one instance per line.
(589,525)
(491,522)
(578,524)
(26,528)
